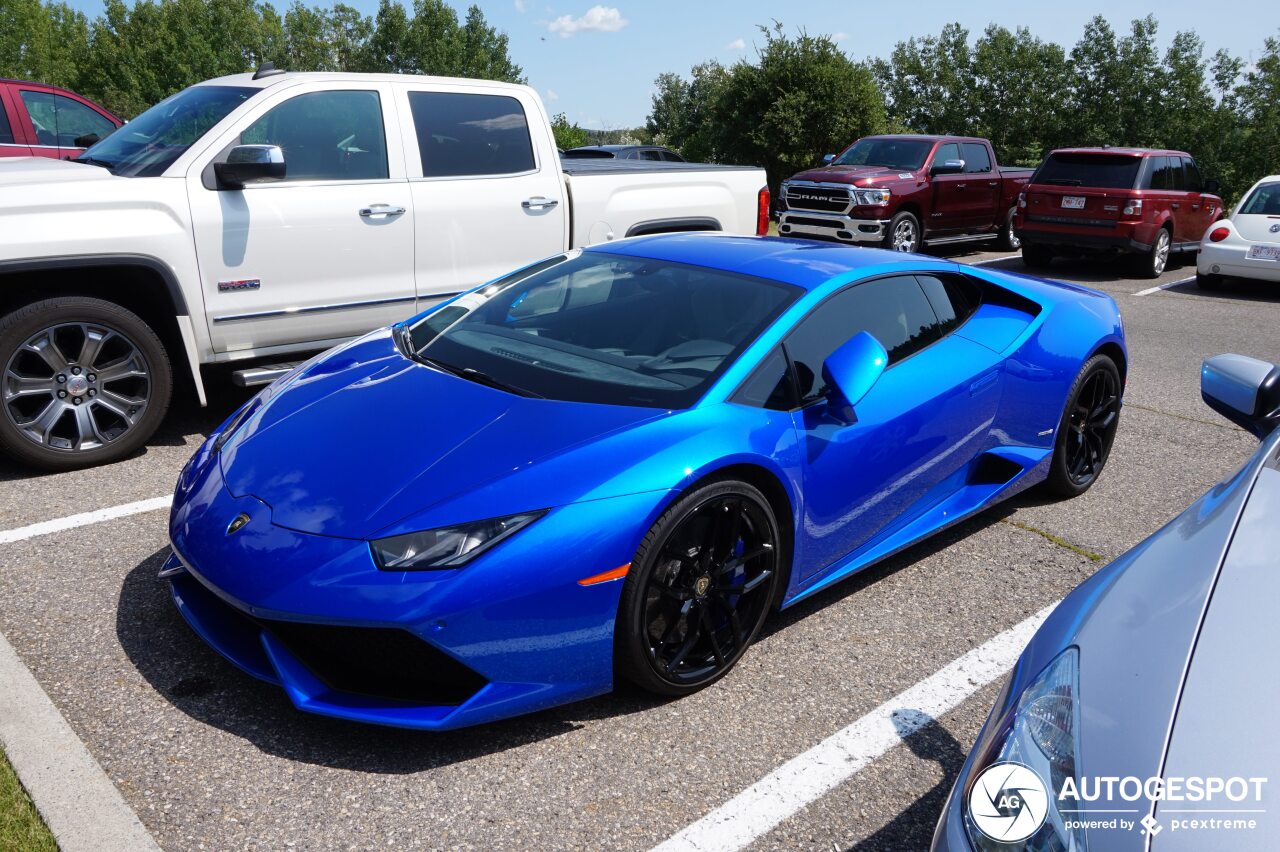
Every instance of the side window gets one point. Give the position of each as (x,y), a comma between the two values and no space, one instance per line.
(671,157)
(1194,183)
(975,156)
(61,121)
(650,155)
(326,136)
(954,299)
(769,386)
(6,132)
(894,310)
(949,151)
(1177,175)
(1157,173)
(461,135)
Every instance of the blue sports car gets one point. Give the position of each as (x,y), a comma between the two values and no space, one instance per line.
(616,462)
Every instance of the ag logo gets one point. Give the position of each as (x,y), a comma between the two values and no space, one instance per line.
(237,523)
(1008,803)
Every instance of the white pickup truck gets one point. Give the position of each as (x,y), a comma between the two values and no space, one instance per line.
(257,217)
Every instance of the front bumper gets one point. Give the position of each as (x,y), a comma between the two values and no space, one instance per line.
(511,633)
(832,226)
(1232,261)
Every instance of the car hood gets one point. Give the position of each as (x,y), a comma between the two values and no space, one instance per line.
(25,171)
(855,175)
(365,437)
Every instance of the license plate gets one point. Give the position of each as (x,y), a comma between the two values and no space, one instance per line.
(1265,252)
(1073,202)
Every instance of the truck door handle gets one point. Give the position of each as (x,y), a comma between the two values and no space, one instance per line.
(961,186)
(381,210)
(992,183)
(538,203)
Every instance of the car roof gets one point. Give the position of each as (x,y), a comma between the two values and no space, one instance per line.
(1124,152)
(804,263)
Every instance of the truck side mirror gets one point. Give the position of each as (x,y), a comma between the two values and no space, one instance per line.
(1244,390)
(250,164)
(850,372)
(827,158)
(1212,186)
(947,167)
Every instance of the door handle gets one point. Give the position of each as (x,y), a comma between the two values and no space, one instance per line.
(992,183)
(960,186)
(538,203)
(1176,206)
(381,210)
(1195,206)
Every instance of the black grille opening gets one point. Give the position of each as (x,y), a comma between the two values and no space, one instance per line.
(812,223)
(382,662)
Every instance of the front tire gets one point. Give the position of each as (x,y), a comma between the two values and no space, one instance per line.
(699,589)
(1087,428)
(904,233)
(84,382)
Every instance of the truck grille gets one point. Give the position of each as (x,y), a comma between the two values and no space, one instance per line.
(823,199)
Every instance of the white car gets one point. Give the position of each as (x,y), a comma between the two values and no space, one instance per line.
(1247,244)
(257,218)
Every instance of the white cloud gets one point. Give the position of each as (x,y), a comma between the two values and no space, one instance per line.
(598,19)
(552,96)
(736,44)
(520,7)
(839,36)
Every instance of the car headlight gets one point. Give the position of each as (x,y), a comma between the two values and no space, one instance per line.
(446,547)
(871,197)
(1041,732)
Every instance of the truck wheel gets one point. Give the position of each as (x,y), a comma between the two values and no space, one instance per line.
(1036,256)
(904,233)
(1152,264)
(1008,239)
(84,382)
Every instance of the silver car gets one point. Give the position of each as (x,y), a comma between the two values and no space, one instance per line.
(1145,712)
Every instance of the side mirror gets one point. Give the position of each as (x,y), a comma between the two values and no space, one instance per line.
(86,140)
(850,372)
(1244,390)
(827,158)
(1212,186)
(947,167)
(250,164)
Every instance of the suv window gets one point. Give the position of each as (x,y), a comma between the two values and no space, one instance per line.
(949,151)
(1104,171)
(6,132)
(671,157)
(650,155)
(1177,174)
(975,156)
(894,310)
(1157,173)
(1193,181)
(462,135)
(326,136)
(59,121)
(954,299)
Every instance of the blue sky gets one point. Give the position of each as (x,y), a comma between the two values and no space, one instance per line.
(597,62)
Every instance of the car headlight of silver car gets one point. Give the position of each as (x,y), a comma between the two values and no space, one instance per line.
(446,547)
(871,197)
(1041,732)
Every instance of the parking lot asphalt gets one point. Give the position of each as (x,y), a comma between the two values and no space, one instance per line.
(211,759)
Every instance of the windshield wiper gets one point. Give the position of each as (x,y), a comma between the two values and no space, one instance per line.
(473,375)
(94,161)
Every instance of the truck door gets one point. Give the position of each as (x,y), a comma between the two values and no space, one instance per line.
(488,193)
(949,193)
(324,254)
(982,194)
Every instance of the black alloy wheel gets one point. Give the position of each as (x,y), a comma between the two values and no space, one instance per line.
(1087,429)
(699,589)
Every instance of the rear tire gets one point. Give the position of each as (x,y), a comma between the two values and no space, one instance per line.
(1009,240)
(82,382)
(1208,282)
(1154,262)
(701,584)
(1036,256)
(1087,428)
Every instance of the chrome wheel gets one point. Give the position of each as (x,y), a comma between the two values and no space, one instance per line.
(904,236)
(1160,253)
(76,386)
(710,588)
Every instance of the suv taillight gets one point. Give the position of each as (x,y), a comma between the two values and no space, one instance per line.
(1217,235)
(1133,209)
(762,211)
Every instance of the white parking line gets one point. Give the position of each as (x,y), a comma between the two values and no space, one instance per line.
(1150,290)
(810,776)
(83,519)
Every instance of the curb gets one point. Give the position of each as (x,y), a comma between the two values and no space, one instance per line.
(82,808)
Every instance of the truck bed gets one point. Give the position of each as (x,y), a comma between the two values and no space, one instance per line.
(617,167)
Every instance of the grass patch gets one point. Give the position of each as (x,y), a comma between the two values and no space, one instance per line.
(21,829)
(1058,540)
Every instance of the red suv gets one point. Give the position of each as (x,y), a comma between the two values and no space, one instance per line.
(45,121)
(1137,201)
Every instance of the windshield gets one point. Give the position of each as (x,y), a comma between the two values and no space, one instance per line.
(1264,200)
(149,144)
(602,328)
(1102,171)
(905,155)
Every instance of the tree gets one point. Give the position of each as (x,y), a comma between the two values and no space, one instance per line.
(567,135)
(1018,84)
(1258,99)
(928,82)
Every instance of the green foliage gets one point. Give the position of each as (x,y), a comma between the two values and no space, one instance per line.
(130,57)
(567,135)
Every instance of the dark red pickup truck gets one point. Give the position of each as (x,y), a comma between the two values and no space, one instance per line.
(903,192)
